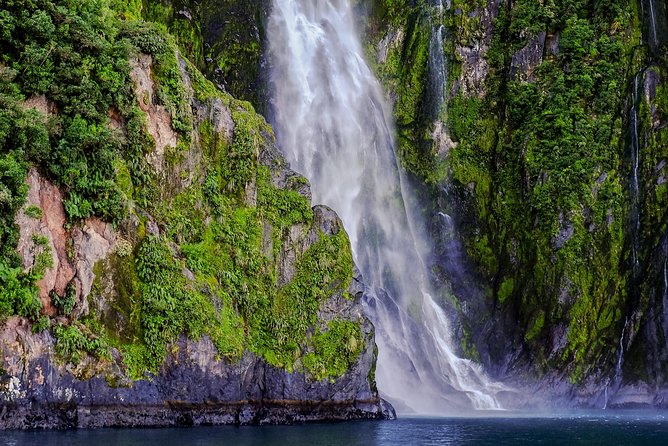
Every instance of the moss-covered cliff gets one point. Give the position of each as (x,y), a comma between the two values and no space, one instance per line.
(553,167)
(223,38)
(153,239)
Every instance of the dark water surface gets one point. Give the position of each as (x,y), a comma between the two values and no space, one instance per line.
(605,428)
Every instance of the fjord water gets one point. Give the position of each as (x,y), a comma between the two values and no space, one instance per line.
(334,125)
(603,428)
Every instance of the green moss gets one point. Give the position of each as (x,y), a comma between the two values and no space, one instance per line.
(230,54)
(123,178)
(506,289)
(204,270)
(131,9)
(121,319)
(65,303)
(33,211)
(324,270)
(468,347)
(281,208)
(239,163)
(335,350)
(535,327)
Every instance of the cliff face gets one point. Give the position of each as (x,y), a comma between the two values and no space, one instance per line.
(161,264)
(223,38)
(552,174)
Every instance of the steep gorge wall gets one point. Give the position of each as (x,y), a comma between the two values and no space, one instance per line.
(563,276)
(548,255)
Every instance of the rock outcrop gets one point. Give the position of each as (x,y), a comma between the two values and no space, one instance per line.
(193,387)
(84,362)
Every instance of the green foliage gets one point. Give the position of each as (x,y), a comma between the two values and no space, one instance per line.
(18,293)
(210,234)
(506,289)
(65,304)
(74,343)
(43,323)
(13,190)
(239,163)
(280,207)
(214,268)
(335,350)
(69,53)
(324,270)
(230,54)
(536,327)
(76,55)
(33,211)
(539,161)
(170,306)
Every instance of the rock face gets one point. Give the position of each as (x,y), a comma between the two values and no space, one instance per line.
(473,52)
(192,387)
(72,253)
(527,59)
(158,119)
(55,376)
(561,278)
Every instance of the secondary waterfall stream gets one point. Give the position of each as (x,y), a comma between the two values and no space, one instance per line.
(638,86)
(333,124)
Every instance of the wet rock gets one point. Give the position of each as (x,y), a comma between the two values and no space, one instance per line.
(525,61)
(475,67)
(566,231)
(50,227)
(92,242)
(193,388)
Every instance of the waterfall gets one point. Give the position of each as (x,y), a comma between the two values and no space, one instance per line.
(620,358)
(652,15)
(438,77)
(665,299)
(635,162)
(334,125)
(437,70)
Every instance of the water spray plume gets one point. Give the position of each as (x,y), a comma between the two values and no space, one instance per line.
(334,125)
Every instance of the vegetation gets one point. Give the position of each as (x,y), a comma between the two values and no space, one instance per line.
(540,164)
(541,160)
(213,265)
(74,344)
(230,54)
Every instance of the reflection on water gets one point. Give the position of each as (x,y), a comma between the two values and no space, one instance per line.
(586,428)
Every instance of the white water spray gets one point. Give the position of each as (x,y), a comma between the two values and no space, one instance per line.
(334,126)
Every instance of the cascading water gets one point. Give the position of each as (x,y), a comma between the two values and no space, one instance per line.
(655,17)
(652,22)
(437,71)
(635,163)
(437,66)
(438,75)
(620,357)
(334,126)
(665,299)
